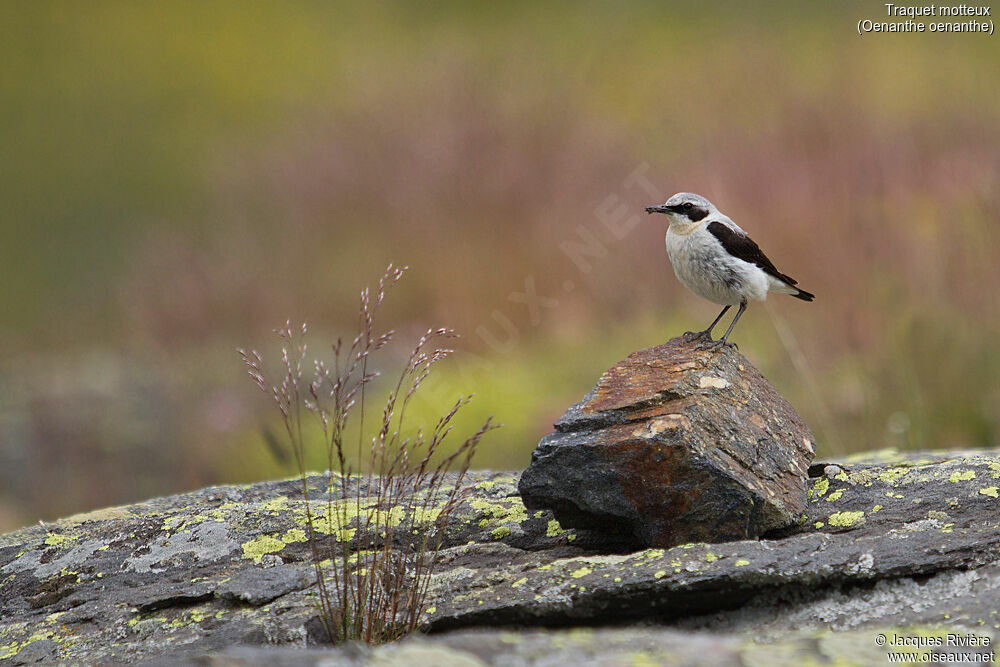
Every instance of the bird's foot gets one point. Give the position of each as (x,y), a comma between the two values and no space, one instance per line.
(708,344)
(689,336)
(715,344)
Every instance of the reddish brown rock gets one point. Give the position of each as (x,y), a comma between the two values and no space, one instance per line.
(675,444)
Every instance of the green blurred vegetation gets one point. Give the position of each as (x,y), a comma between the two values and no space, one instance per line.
(179,178)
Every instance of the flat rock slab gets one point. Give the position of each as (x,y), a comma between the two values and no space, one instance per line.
(675,444)
(647,645)
(892,525)
(886,541)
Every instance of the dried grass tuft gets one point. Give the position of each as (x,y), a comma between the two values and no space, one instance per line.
(374,544)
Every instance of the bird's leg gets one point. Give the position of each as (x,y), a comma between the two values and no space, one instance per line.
(707,333)
(725,338)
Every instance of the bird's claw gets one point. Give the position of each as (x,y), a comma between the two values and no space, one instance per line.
(696,335)
(715,345)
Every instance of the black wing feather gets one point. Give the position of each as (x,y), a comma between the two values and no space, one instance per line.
(743,247)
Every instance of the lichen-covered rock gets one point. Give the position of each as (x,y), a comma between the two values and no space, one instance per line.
(675,444)
(648,645)
(886,541)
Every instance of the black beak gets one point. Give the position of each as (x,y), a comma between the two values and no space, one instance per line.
(663,208)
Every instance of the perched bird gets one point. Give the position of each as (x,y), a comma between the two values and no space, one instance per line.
(716,259)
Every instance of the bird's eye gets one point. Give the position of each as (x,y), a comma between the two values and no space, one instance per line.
(687,206)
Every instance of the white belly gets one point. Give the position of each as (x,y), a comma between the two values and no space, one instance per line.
(702,267)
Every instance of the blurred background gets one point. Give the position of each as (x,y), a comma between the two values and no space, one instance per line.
(178,179)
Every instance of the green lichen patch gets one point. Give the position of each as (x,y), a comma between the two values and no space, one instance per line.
(499,515)
(962,476)
(845,519)
(819,488)
(501,532)
(294,535)
(989,491)
(893,475)
(55,539)
(18,636)
(261,546)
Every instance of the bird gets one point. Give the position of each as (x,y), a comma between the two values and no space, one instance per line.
(714,258)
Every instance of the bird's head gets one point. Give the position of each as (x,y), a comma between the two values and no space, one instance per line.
(684,208)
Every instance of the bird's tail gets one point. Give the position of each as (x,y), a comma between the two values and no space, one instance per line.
(804,295)
(786,285)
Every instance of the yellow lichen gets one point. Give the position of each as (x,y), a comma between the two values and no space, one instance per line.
(520,582)
(659,574)
(262,546)
(989,491)
(835,495)
(294,535)
(554,529)
(55,539)
(512,512)
(741,562)
(581,572)
(844,519)
(429,515)
(892,474)
(275,504)
(962,476)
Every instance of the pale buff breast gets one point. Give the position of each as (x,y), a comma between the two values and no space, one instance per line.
(708,271)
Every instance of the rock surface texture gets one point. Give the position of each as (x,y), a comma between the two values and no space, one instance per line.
(675,444)
(221,576)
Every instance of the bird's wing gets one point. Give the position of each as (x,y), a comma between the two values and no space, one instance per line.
(741,246)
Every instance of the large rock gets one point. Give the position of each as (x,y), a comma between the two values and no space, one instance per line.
(890,542)
(675,444)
